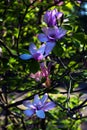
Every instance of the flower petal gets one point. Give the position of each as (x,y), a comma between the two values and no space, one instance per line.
(40,114)
(49,47)
(46,17)
(29,112)
(41,49)
(61,32)
(36,100)
(48,106)
(29,104)
(44,98)
(38,56)
(44,70)
(42,37)
(25,56)
(32,48)
(37,76)
(59,15)
(50,33)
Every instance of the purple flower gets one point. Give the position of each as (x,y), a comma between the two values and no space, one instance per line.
(45,72)
(37,54)
(51,17)
(38,106)
(50,35)
(37,76)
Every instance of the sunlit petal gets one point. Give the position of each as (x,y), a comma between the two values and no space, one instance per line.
(41,49)
(42,37)
(48,106)
(61,33)
(29,112)
(49,47)
(25,56)
(32,48)
(59,15)
(28,104)
(40,114)
(44,98)
(36,100)
(37,76)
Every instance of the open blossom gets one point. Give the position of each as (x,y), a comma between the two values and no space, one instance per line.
(44,73)
(50,35)
(38,106)
(37,54)
(51,17)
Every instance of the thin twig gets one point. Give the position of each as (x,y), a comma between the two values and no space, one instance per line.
(7,48)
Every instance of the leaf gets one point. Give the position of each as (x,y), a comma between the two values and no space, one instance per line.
(48,114)
(58,50)
(34,66)
(79,36)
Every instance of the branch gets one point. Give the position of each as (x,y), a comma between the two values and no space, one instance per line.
(21,22)
(7,48)
(79,106)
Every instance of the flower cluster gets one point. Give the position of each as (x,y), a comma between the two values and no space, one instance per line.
(50,34)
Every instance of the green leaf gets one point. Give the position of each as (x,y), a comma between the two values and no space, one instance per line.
(50,115)
(58,50)
(79,36)
(34,66)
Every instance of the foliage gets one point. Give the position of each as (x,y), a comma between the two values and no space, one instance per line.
(21,21)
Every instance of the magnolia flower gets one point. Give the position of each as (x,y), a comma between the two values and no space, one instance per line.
(37,76)
(44,73)
(50,35)
(38,106)
(37,54)
(51,17)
